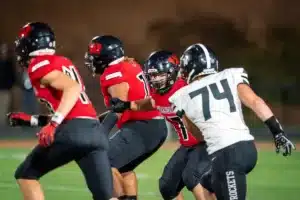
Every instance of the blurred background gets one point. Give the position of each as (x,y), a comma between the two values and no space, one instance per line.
(263,36)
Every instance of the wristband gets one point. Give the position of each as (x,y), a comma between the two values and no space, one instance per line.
(57,118)
(34,121)
(274,125)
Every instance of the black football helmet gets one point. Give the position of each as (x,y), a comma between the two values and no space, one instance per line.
(103,50)
(161,69)
(198,60)
(34,38)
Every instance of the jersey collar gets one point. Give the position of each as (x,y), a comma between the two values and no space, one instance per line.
(117,61)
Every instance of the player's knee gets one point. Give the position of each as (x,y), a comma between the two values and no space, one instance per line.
(189,179)
(23,172)
(18,173)
(166,190)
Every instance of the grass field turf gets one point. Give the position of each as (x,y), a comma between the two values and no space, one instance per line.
(274,178)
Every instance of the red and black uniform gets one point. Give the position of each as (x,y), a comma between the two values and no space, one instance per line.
(132,74)
(141,132)
(189,164)
(163,105)
(42,65)
(80,137)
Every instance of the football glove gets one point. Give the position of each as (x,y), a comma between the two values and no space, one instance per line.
(21,119)
(46,134)
(283,144)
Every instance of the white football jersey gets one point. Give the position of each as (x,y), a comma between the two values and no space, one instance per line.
(213,105)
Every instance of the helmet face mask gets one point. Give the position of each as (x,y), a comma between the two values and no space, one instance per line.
(158,80)
(161,69)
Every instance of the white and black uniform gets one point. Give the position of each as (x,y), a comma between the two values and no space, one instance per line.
(213,105)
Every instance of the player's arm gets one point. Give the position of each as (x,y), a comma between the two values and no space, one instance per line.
(146,104)
(23,119)
(191,127)
(258,105)
(70,93)
(119,92)
(262,110)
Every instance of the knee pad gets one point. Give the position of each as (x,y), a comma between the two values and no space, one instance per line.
(166,190)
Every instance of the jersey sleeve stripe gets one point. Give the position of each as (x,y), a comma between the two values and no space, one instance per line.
(244,75)
(245,80)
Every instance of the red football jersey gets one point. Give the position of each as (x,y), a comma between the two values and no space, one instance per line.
(41,66)
(130,72)
(163,105)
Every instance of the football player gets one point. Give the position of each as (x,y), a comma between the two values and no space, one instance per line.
(212,101)
(140,133)
(73,132)
(189,166)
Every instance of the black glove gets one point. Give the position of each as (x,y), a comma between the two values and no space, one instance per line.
(284,144)
(119,106)
(281,141)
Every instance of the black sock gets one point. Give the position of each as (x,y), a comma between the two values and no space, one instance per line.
(131,198)
(124,197)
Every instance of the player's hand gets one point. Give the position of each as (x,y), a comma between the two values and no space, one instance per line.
(283,144)
(46,134)
(119,106)
(19,119)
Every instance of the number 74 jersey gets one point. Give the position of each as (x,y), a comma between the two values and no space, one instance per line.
(213,105)
(40,66)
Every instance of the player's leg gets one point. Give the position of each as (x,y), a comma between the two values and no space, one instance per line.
(230,167)
(97,172)
(124,147)
(179,196)
(130,184)
(130,146)
(93,162)
(39,162)
(117,183)
(196,175)
(171,183)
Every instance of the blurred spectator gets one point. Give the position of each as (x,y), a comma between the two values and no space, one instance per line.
(7,80)
(29,103)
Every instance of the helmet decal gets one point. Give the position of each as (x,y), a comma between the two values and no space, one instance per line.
(95,48)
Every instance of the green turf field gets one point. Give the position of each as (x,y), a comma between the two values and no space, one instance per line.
(274,178)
